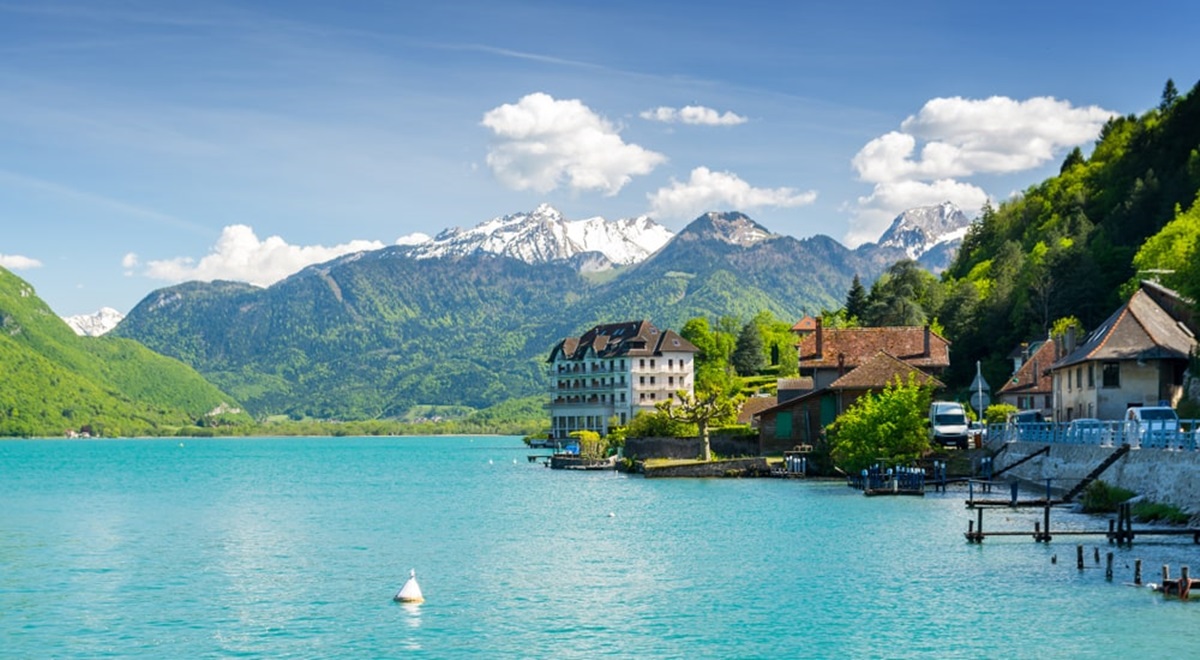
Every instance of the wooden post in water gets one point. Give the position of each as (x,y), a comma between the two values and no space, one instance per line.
(979,525)
(1108,566)
(1185,582)
(1137,572)
(1046,525)
(1096,554)
(1079,556)
(1166,575)
(1111,536)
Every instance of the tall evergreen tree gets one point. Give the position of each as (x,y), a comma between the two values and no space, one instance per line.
(748,355)
(1169,95)
(856,299)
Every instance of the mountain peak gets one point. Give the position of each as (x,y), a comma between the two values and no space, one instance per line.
(732,227)
(921,229)
(544,235)
(95,324)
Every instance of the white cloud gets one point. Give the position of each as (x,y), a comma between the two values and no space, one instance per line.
(240,255)
(544,143)
(18,262)
(707,190)
(956,138)
(415,238)
(876,211)
(130,260)
(693,114)
(963,137)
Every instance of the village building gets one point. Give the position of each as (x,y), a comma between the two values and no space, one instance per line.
(843,365)
(1136,357)
(613,372)
(1030,387)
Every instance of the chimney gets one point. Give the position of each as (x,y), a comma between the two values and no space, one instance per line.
(1070,340)
(820,341)
(927,331)
(841,364)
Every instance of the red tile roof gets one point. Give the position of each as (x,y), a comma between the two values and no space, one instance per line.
(806,324)
(880,370)
(857,345)
(1033,377)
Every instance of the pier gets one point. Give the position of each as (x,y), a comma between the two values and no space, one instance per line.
(1120,530)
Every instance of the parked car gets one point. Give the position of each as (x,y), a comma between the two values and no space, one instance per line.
(1086,431)
(948,424)
(1152,425)
(1027,425)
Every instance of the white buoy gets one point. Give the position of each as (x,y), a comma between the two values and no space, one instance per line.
(411,591)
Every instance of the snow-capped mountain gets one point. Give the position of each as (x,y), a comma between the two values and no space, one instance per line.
(920,230)
(543,235)
(94,325)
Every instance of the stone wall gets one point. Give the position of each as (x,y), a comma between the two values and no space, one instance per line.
(721,445)
(1160,475)
(737,467)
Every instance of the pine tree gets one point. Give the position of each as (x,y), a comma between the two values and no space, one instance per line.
(856,299)
(748,357)
(1169,96)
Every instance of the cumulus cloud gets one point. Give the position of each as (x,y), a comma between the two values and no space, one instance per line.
(415,238)
(706,190)
(954,138)
(543,143)
(693,114)
(240,255)
(18,262)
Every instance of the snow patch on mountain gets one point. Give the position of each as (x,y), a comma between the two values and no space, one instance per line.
(919,230)
(543,235)
(733,228)
(95,324)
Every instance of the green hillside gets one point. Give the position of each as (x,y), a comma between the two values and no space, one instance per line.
(54,381)
(1067,246)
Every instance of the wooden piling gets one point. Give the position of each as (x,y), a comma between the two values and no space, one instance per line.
(1096,555)
(1185,582)
(1108,566)
(1079,557)
(1137,572)
(1166,574)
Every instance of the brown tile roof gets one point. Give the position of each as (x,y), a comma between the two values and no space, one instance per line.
(795,384)
(878,371)
(1139,329)
(1033,377)
(753,406)
(628,339)
(859,344)
(806,324)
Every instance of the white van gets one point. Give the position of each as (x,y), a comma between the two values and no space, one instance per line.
(1152,425)
(948,424)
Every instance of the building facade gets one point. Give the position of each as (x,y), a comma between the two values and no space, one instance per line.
(1030,387)
(1137,357)
(613,372)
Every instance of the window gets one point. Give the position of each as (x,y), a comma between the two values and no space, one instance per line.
(642,364)
(670,364)
(642,396)
(671,380)
(641,380)
(652,396)
(1091,375)
(652,380)
(1111,374)
(622,398)
(651,363)
(1079,378)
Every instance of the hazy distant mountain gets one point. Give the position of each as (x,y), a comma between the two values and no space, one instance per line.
(95,324)
(544,236)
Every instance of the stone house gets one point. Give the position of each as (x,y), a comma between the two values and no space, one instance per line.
(802,420)
(1136,357)
(1030,387)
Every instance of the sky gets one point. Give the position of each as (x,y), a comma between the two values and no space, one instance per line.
(145,143)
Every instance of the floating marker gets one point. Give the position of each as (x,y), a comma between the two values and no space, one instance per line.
(411,591)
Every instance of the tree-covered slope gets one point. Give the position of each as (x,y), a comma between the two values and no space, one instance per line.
(1066,246)
(54,381)
(372,335)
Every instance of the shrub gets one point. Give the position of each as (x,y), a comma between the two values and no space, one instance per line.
(1100,497)
(1156,511)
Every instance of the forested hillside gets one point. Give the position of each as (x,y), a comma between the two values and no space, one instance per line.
(54,380)
(1071,246)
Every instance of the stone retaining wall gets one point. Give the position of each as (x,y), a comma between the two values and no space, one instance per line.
(721,445)
(1160,475)
(737,467)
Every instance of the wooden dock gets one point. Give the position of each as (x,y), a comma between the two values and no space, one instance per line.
(1120,530)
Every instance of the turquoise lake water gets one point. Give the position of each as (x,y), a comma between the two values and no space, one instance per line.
(295,547)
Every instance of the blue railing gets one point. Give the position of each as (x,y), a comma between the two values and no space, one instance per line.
(1182,435)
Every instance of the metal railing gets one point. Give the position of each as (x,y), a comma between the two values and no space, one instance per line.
(1181,435)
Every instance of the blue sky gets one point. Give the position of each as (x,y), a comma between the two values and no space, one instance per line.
(144,143)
